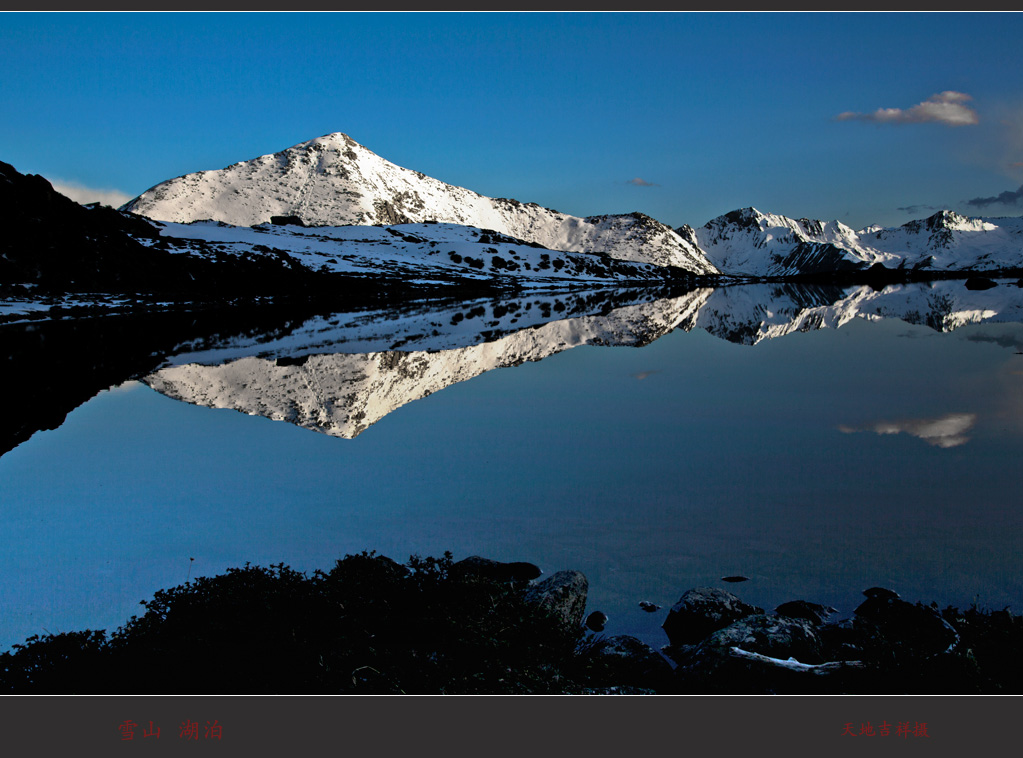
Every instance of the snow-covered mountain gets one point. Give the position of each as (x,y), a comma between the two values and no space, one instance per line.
(334,181)
(749,243)
(948,241)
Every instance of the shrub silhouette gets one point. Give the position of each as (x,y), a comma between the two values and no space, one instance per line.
(370,625)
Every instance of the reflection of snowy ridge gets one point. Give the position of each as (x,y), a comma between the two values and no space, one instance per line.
(421,325)
(947,305)
(334,181)
(343,394)
(749,314)
(392,359)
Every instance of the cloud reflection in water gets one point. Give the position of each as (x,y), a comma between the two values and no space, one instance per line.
(945,431)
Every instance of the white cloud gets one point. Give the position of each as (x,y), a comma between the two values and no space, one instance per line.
(641,183)
(944,431)
(82,194)
(944,108)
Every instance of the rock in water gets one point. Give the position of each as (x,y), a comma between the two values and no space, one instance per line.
(648,606)
(596,621)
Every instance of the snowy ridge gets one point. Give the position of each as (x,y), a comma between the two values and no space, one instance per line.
(422,252)
(948,241)
(749,243)
(334,181)
(342,394)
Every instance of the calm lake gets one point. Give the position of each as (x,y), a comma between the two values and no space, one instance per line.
(818,441)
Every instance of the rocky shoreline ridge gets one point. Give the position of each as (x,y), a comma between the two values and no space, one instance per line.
(479,626)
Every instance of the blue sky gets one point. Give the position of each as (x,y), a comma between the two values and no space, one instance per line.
(681,116)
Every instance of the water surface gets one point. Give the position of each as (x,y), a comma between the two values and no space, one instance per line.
(839,441)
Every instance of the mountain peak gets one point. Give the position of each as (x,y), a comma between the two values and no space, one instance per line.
(334,181)
(334,139)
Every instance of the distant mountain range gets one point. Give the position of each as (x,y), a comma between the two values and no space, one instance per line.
(329,217)
(333,181)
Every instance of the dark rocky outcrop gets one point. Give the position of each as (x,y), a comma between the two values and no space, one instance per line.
(287,221)
(702,611)
(53,243)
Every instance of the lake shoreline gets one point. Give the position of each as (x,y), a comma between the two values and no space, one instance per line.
(477,626)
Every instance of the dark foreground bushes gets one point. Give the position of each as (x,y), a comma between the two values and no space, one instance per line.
(431,626)
(370,625)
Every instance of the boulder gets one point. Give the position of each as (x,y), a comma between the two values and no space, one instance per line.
(701,612)
(773,636)
(626,660)
(649,607)
(564,594)
(909,628)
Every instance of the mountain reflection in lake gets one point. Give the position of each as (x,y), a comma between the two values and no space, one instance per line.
(877,447)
